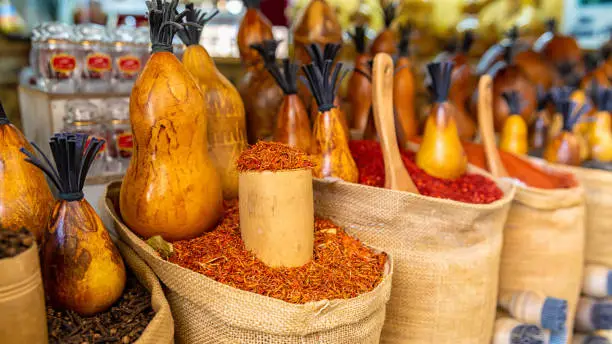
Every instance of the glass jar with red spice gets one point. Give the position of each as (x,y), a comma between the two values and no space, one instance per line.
(56,62)
(120,144)
(83,116)
(127,59)
(95,62)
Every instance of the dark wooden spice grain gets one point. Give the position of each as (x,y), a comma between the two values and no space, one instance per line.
(12,243)
(342,266)
(123,323)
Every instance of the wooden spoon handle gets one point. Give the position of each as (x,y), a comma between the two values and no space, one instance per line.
(487,131)
(396,176)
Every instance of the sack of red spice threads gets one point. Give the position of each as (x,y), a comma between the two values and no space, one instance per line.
(469,188)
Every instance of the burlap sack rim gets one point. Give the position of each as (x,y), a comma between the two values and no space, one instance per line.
(161,328)
(289,311)
(549,199)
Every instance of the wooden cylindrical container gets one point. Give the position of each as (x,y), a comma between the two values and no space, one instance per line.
(277,215)
(23,316)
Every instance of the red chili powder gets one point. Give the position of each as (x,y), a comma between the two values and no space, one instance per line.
(469,188)
(341,268)
(272,156)
(520,169)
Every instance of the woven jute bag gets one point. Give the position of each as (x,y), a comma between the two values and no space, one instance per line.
(161,328)
(544,245)
(597,186)
(446,257)
(206,311)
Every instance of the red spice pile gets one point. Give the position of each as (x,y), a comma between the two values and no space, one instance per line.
(342,267)
(469,188)
(272,156)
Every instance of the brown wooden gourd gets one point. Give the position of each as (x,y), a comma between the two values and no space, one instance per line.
(318,57)
(25,198)
(171,187)
(261,95)
(316,24)
(359,93)
(407,123)
(82,269)
(534,66)
(463,83)
(254,28)
(441,154)
(386,41)
(330,148)
(292,122)
(507,77)
(514,135)
(564,148)
(562,51)
(224,107)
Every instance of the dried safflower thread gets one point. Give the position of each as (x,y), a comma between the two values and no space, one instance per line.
(272,156)
(468,188)
(342,267)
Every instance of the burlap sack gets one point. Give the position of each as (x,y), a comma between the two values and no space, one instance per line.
(206,311)
(23,316)
(161,328)
(544,244)
(597,186)
(446,257)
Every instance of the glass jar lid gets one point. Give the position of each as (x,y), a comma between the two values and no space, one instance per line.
(81,110)
(124,34)
(54,30)
(91,32)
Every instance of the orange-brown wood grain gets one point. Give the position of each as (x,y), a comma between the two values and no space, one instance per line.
(537,70)
(407,125)
(293,124)
(227,136)
(82,269)
(441,154)
(463,82)
(262,98)
(359,93)
(25,198)
(254,28)
(564,149)
(330,148)
(385,42)
(171,187)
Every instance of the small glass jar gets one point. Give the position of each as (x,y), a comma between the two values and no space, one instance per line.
(84,117)
(37,37)
(127,59)
(119,134)
(142,40)
(56,62)
(93,53)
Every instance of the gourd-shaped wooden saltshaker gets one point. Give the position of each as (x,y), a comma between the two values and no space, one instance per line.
(82,269)
(261,95)
(25,199)
(404,89)
(171,187)
(224,107)
(359,92)
(292,122)
(330,142)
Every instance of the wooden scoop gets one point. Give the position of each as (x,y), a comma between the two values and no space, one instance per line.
(396,175)
(487,132)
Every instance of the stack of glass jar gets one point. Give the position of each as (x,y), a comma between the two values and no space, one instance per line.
(109,121)
(87,58)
